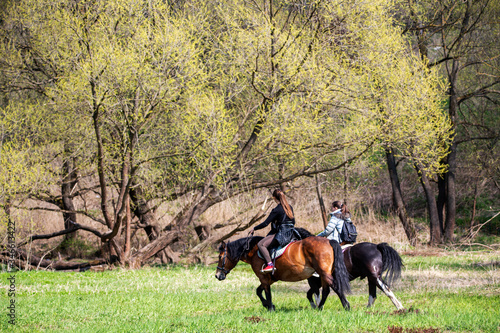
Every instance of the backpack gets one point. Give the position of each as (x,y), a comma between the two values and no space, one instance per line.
(348,233)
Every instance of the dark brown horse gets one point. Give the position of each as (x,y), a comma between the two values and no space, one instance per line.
(300,260)
(371,261)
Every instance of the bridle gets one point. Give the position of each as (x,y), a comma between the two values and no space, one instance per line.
(224,256)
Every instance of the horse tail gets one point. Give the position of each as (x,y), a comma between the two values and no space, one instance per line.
(391,262)
(340,271)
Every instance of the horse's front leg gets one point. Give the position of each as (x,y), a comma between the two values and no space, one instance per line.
(259,291)
(267,301)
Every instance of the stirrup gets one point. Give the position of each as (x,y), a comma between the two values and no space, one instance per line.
(267,268)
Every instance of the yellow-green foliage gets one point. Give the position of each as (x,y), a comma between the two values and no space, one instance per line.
(181,88)
(391,95)
(342,75)
(23,153)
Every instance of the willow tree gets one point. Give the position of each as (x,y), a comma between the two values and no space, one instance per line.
(120,70)
(391,97)
(215,99)
(303,82)
(460,39)
(20,160)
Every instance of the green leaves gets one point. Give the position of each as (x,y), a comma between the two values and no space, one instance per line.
(213,93)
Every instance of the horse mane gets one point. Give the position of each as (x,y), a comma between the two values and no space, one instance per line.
(236,249)
(303,233)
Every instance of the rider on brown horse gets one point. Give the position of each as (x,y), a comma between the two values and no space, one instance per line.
(282,226)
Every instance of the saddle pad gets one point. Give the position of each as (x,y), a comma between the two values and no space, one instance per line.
(279,251)
(344,247)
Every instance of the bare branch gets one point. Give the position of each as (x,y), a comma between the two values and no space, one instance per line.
(76,226)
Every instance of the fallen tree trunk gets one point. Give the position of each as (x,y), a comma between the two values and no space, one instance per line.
(24,261)
(138,258)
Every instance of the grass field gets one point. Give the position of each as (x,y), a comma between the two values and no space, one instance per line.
(445,292)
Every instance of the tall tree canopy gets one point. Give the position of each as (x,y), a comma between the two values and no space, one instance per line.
(460,40)
(150,101)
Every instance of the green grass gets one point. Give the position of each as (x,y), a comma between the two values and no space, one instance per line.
(177,299)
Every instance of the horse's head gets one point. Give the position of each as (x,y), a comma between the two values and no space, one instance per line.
(226,263)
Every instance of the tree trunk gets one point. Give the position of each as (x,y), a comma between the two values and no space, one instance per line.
(473,215)
(128,222)
(205,200)
(452,164)
(450,198)
(32,261)
(138,258)
(441,200)
(68,183)
(435,231)
(321,202)
(398,198)
(144,213)
(147,220)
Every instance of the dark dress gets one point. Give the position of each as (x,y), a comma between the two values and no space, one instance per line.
(282,226)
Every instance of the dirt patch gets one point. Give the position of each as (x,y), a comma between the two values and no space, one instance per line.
(255,319)
(397,329)
(396,312)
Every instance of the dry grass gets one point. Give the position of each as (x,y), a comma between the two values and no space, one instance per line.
(371,228)
(449,280)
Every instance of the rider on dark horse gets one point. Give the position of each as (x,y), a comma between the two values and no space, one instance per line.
(339,214)
(283,222)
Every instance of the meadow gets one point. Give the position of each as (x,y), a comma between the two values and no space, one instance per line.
(442,292)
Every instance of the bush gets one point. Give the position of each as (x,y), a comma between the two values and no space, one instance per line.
(77,248)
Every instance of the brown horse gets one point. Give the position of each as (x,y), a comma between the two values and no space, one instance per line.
(300,260)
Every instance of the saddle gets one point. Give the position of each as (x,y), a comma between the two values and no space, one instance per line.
(278,251)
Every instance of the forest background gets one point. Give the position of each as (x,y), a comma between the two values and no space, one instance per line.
(134,131)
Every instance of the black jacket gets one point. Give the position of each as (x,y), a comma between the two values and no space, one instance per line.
(276,217)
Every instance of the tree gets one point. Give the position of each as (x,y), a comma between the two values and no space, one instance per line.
(402,99)
(211,100)
(116,72)
(459,38)
(322,71)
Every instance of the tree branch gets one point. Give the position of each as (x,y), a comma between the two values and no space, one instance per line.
(76,227)
(307,172)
